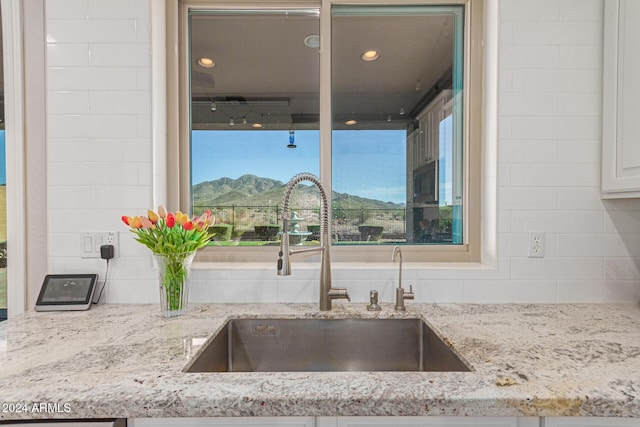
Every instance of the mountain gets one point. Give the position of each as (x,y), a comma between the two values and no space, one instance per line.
(250,190)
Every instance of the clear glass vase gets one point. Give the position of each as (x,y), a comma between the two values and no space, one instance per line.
(174,272)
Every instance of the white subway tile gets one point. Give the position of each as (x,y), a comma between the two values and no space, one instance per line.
(118,9)
(132,292)
(513,244)
(557,33)
(509,291)
(527,198)
(529,10)
(64,244)
(504,127)
(505,80)
(598,291)
(68,150)
(93,31)
(528,104)
(622,268)
(552,128)
(622,222)
(143,126)
(466,272)
(119,102)
(68,102)
(143,78)
(142,31)
(584,268)
(113,79)
(579,198)
(528,151)
(581,10)
(555,221)
(557,81)
(135,197)
(504,174)
(67,55)
(585,57)
(438,291)
(579,151)
(105,126)
(504,220)
(556,175)
(580,104)
(67,197)
(119,150)
(604,245)
(622,204)
(66,9)
(531,57)
(297,291)
(64,78)
(119,55)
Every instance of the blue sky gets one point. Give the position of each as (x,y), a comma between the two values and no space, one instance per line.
(365,163)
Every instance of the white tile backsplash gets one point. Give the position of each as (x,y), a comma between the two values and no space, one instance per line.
(100,158)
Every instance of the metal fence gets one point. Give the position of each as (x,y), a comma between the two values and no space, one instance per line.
(346,221)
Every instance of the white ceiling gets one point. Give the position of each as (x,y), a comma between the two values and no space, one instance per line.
(264,57)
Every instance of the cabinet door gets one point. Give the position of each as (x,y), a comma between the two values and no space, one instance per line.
(223,422)
(591,422)
(438,422)
(620,106)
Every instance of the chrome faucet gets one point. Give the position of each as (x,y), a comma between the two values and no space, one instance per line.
(327,292)
(401,295)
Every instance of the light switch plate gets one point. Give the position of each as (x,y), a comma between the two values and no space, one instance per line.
(91,241)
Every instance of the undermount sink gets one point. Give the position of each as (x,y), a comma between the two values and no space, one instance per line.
(323,345)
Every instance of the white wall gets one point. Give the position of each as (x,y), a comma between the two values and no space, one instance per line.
(100,156)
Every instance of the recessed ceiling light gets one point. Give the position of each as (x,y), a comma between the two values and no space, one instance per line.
(312,40)
(257,125)
(350,122)
(206,62)
(370,55)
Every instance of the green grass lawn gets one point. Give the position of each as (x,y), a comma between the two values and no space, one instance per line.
(3,288)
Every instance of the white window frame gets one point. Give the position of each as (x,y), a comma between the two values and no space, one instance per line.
(480,111)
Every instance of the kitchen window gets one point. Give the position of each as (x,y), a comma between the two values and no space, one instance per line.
(375,99)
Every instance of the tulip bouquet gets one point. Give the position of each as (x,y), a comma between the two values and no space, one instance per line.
(174,238)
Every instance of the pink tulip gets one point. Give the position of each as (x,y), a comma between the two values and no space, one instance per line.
(162,213)
(145,222)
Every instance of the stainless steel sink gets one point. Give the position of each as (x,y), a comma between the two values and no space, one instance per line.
(322,345)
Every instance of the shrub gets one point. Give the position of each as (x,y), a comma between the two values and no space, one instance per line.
(370,232)
(267,232)
(221,232)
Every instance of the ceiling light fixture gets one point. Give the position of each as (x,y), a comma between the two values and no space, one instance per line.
(350,122)
(214,107)
(402,111)
(389,118)
(206,62)
(370,55)
(257,125)
(232,122)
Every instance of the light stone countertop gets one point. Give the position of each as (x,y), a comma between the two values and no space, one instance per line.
(127,361)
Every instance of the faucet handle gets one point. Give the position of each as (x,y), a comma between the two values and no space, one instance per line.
(410,294)
(339,293)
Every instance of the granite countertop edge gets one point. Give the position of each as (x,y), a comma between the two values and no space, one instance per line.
(127,361)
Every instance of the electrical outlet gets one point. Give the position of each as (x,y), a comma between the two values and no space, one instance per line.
(90,243)
(536,244)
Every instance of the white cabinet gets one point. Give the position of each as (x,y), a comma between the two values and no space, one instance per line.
(620,106)
(591,422)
